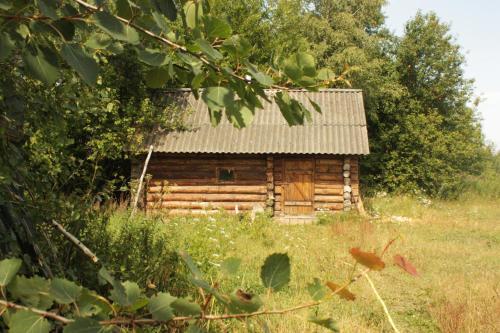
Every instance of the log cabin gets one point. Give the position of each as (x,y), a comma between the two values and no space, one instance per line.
(288,171)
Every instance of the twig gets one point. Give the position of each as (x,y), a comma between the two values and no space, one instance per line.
(391,321)
(141,179)
(45,314)
(77,242)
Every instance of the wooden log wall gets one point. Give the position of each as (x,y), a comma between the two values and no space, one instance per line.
(189,184)
(186,184)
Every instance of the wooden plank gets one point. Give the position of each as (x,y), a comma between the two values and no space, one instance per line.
(328,198)
(328,206)
(330,185)
(329,169)
(329,191)
(323,161)
(250,189)
(298,203)
(206,197)
(204,205)
(326,176)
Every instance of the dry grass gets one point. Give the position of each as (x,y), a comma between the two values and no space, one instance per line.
(454,245)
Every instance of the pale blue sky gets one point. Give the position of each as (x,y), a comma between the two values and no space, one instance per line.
(476,26)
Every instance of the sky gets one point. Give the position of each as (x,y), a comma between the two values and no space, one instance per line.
(475,24)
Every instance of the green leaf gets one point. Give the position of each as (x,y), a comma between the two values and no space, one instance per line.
(208,50)
(262,78)
(115,28)
(307,63)
(91,304)
(157,77)
(209,289)
(125,9)
(128,296)
(316,107)
(152,57)
(288,109)
(237,46)
(328,323)
(98,41)
(167,8)
(64,291)
(239,114)
(161,22)
(41,65)
(316,289)
(325,74)
(183,307)
(81,62)
(6,46)
(241,301)
(5,5)
(160,306)
(47,9)
(216,27)
(66,28)
(191,265)
(301,67)
(275,273)
(33,291)
(83,325)
(217,98)
(115,47)
(230,266)
(25,321)
(9,269)
(193,12)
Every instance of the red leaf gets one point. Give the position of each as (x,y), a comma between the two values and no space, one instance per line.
(405,265)
(343,293)
(370,260)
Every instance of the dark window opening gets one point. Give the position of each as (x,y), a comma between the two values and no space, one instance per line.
(225,175)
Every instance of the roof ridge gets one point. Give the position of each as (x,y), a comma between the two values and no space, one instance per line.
(271,89)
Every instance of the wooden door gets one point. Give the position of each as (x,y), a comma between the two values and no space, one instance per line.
(299,187)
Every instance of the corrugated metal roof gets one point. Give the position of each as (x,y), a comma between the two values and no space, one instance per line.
(339,129)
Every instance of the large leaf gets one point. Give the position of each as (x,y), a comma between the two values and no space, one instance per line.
(81,62)
(301,67)
(115,28)
(368,259)
(5,4)
(34,291)
(230,266)
(47,8)
(91,304)
(98,41)
(160,306)
(217,98)
(241,301)
(167,8)
(152,57)
(83,325)
(8,269)
(193,12)
(157,77)
(64,291)
(405,265)
(25,321)
(66,28)
(342,292)
(262,78)
(328,323)
(131,294)
(275,273)
(184,307)
(216,27)
(316,289)
(239,114)
(41,64)
(237,46)
(208,50)
(6,46)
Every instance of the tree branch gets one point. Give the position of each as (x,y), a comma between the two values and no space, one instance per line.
(77,242)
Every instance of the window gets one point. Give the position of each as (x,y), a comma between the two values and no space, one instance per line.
(225,175)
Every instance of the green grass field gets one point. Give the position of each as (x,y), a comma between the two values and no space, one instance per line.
(455,247)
